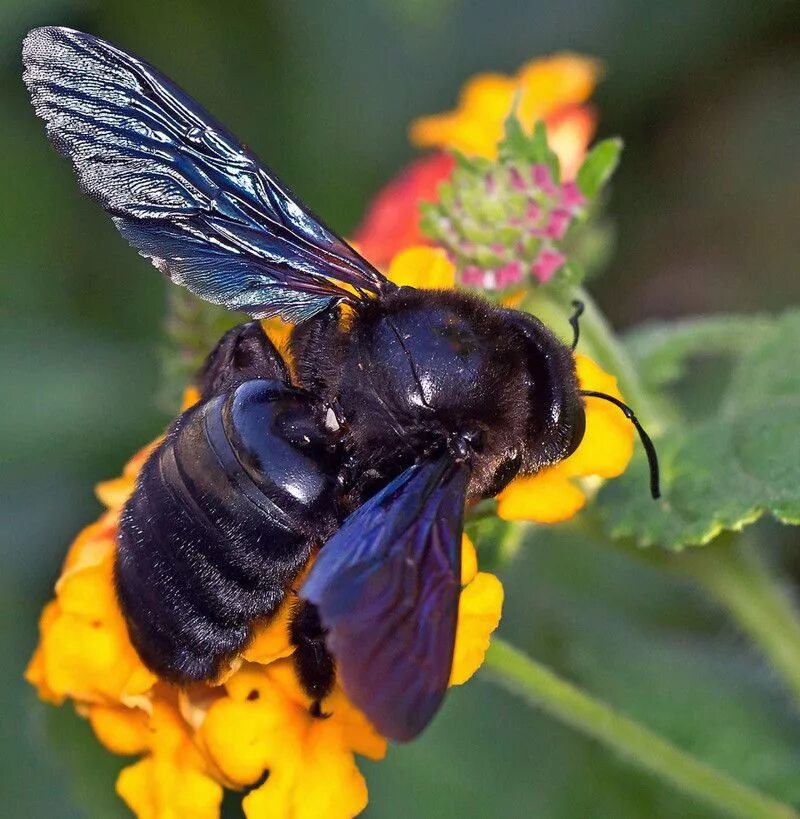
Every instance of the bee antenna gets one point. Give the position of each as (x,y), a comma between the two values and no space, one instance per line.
(647,443)
(573,320)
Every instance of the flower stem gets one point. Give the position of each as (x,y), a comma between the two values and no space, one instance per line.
(644,748)
(610,353)
(734,574)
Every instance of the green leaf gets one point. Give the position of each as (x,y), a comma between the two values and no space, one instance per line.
(517,147)
(515,141)
(662,350)
(192,328)
(728,470)
(472,164)
(599,166)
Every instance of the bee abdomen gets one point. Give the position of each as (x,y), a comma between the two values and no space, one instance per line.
(224,516)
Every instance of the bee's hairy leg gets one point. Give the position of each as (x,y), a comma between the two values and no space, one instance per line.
(314,664)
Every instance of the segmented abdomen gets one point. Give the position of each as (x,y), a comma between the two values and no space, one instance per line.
(225,514)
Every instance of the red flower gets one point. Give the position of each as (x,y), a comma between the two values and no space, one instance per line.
(391,222)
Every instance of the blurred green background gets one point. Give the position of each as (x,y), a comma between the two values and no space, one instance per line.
(706,94)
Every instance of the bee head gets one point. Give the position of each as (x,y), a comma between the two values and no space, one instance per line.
(556,416)
(446,369)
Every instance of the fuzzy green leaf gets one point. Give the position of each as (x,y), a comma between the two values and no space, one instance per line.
(662,349)
(728,470)
(599,166)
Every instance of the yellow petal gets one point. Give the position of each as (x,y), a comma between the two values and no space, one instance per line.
(480,607)
(240,736)
(121,730)
(114,492)
(422,267)
(172,782)
(36,671)
(155,788)
(547,497)
(607,445)
(271,641)
(87,589)
(469,560)
(93,545)
(553,82)
(488,95)
(335,790)
(475,127)
(89,660)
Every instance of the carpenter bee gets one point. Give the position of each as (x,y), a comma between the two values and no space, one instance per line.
(402,407)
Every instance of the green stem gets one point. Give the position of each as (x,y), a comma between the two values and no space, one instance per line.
(641,746)
(735,575)
(610,353)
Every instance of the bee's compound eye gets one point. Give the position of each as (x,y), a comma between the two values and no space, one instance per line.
(577,428)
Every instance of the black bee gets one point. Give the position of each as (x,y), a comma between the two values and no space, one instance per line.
(404,405)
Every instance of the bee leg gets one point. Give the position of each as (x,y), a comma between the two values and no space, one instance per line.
(313,663)
(242,354)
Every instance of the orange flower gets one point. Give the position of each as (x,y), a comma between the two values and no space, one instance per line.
(392,219)
(553,89)
(195,742)
(255,720)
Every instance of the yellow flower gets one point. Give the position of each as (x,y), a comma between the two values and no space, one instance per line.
(479,612)
(552,495)
(253,721)
(554,89)
(173,781)
(422,267)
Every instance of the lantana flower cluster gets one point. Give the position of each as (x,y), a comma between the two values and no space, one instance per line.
(504,224)
(251,730)
(252,722)
(553,90)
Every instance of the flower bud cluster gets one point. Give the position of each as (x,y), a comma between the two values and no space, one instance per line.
(503,223)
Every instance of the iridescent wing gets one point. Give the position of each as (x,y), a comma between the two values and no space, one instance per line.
(181,188)
(387,586)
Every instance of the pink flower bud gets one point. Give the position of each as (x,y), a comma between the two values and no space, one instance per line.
(543,179)
(558,223)
(571,197)
(517,182)
(472,276)
(508,274)
(533,211)
(547,263)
